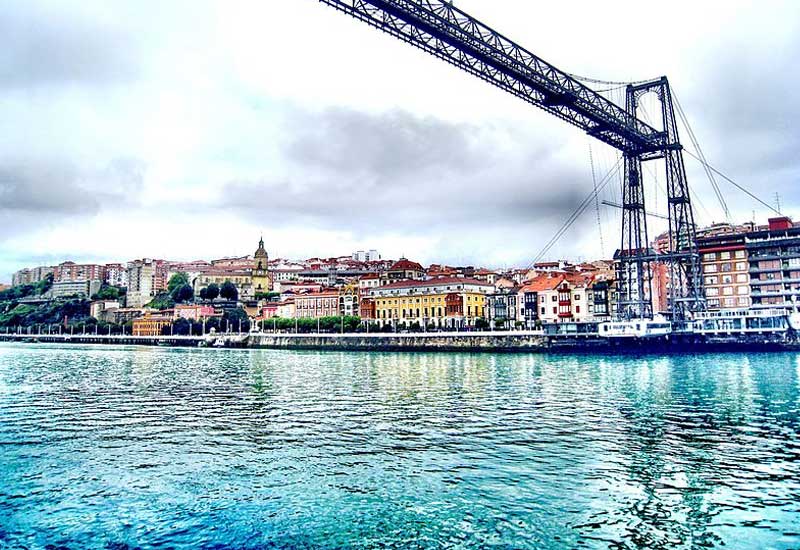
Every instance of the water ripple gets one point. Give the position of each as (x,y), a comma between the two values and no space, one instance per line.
(123,448)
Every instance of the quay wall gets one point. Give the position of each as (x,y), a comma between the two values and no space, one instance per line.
(463,341)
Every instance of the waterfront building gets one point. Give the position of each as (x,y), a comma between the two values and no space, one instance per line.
(725,269)
(261,278)
(452,302)
(151,324)
(193,312)
(405,269)
(501,308)
(774,264)
(367,308)
(349,300)
(534,298)
(601,306)
(312,305)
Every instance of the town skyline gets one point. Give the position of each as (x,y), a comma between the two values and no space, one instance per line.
(185,131)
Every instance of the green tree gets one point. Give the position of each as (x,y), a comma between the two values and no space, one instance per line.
(211,292)
(107,292)
(183,293)
(234,318)
(162,301)
(481,323)
(177,280)
(228,291)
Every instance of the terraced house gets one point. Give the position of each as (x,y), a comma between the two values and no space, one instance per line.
(449,302)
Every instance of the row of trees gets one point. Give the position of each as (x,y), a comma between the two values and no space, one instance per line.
(213,291)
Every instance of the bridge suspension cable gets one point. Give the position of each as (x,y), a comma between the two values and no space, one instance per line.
(588,201)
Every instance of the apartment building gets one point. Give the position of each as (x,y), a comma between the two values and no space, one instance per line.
(725,270)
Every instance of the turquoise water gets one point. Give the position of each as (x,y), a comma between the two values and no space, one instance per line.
(122,447)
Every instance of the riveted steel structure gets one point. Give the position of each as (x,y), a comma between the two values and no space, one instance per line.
(448,33)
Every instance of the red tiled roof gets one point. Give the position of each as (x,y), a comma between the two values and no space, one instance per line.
(404,264)
(432,282)
(542,283)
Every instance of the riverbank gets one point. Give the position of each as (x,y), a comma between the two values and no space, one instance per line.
(489,342)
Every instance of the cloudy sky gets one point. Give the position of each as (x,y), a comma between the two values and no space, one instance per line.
(184,130)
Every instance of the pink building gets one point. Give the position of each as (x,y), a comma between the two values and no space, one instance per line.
(193,312)
(317,304)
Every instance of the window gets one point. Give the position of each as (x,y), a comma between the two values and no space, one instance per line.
(555,310)
(724,255)
(739,254)
(712,292)
(577,309)
(727,291)
(555,299)
(710,257)
(542,311)
(742,290)
(741,278)
(577,297)
(743,301)
(711,268)
(741,266)
(712,280)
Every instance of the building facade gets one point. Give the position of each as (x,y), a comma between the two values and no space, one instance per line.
(141,276)
(313,305)
(450,302)
(725,270)
(774,259)
(151,325)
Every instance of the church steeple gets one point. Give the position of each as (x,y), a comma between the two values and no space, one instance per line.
(261,278)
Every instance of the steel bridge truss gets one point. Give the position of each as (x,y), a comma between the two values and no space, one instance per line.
(448,33)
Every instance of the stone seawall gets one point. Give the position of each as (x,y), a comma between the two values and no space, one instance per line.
(461,341)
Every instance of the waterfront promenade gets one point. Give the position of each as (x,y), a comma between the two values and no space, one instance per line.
(491,340)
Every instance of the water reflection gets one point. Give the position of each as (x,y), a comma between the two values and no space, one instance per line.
(235,448)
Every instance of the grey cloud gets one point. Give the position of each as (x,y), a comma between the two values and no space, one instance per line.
(35,192)
(395,143)
(374,173)
(46,44)
(38,188)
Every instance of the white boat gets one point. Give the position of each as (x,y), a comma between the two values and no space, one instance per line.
(658,327)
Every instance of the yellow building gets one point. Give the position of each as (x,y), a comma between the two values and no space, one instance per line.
(151,325)
(451,302)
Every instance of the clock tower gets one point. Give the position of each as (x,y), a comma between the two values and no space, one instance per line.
(262,280)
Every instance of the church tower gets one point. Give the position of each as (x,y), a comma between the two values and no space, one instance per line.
(262,280)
